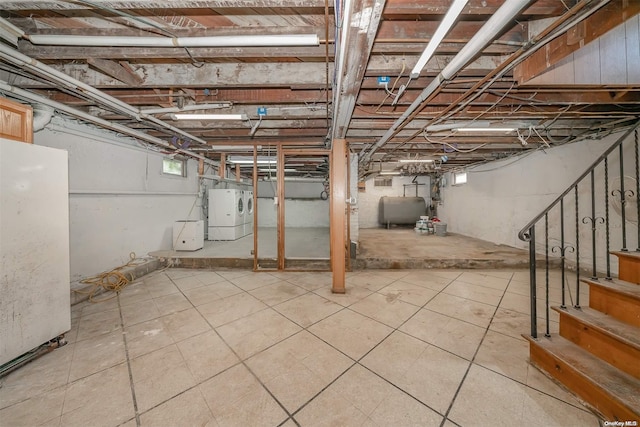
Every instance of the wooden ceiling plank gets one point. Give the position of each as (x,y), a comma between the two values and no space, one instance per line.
(602,21)
(474,7)
(115,70)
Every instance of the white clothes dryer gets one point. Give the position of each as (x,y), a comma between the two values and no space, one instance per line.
(226,214)
(249,209)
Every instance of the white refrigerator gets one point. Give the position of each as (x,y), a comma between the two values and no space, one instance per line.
(34,247)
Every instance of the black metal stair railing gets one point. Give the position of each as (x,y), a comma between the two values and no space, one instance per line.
(591,194)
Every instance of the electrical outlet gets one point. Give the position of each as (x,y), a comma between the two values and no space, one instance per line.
(262,111)
(383,80)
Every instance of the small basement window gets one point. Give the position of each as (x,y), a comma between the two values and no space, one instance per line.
(383,181)
(459,178)
(175,167)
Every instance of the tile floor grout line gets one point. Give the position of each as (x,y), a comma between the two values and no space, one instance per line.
(243,361)
(129,369)
(475,354)
(357,361)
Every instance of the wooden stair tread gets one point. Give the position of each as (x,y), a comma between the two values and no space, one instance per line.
(621,386)
(623,332)
(627,254)
(619,286)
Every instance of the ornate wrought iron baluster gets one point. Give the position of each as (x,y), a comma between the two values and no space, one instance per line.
(594,220)
(623,200)
(606,216)
(532,281)
(637,187)
(562,249)
(577,305)
(546,264)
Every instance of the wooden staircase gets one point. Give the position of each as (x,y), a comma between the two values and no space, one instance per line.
(597,352)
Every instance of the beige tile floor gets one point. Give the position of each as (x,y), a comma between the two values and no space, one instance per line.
(237,348)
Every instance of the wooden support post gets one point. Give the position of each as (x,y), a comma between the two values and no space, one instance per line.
(255,208)
(338,213)
(201,167)
(238,177)
(223,166)
(280,197)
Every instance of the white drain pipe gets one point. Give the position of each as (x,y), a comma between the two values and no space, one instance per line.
(42,115)
(46,102)
(38,68)
(489,31)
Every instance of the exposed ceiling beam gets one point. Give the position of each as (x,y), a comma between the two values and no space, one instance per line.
(605,19)
(115,70)
(223,54)
(157,4)
(208,75)
(474,7)
(363,27)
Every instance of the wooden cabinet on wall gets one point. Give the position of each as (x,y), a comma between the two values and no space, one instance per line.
(16,121)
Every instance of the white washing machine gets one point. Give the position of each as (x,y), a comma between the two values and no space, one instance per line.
(249,209)
(226,214)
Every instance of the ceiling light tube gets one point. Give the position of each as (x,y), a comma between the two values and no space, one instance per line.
(275,169)
(442,30)
(180,116)
(415,160)
(208,41)
(504,130)
(248,160)
(231,148)
(389,173)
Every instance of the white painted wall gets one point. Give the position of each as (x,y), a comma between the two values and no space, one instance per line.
(368,200)
(303,205)
(500,198)
(120,202)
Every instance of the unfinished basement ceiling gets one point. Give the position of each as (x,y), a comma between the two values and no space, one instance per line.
(519,79)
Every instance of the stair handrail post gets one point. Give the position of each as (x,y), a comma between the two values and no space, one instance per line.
(532,281)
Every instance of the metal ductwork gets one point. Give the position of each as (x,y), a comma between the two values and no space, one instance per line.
(489,31)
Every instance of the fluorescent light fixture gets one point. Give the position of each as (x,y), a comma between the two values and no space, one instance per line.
(181,116)
(444,27)
(415,160)
(248,160)
(389,173)
(275,170)
(232,148)
(503,130)
(206,41)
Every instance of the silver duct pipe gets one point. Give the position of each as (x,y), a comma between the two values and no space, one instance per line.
(489,31)
(36,67)
(32,97)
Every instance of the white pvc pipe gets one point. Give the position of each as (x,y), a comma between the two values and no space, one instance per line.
(489,31)
(39,68)
(507,12)
(185,108)
(208,41)
(96,120)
